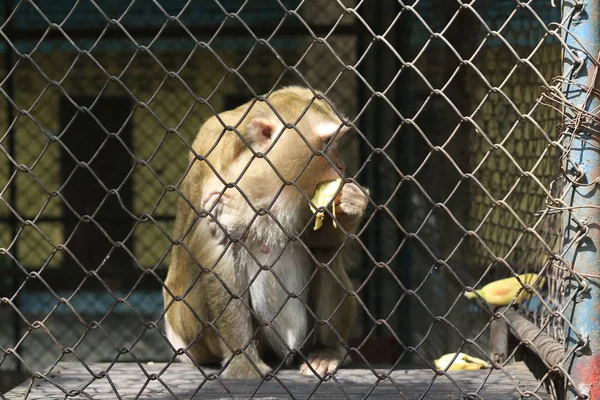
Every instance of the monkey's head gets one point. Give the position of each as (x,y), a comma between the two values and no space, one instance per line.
(298,133)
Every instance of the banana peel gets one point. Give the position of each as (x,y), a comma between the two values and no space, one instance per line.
(503,291)
(463,362)
(324,194)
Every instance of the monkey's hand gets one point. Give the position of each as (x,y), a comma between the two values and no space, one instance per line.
(225,222)
(323,362)
(350,205)
(241,368)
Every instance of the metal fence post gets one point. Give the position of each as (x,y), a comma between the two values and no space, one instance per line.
(583,312)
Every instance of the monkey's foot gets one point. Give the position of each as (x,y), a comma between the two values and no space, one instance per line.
(322,362)
(243,369)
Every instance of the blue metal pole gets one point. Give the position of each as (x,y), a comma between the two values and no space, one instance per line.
(584,312)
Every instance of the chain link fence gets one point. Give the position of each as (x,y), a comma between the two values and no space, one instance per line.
(463,131)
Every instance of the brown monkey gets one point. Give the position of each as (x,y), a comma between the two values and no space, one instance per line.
(240,210)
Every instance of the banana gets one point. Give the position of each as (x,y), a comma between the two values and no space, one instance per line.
(463,362)
(501,292)
(325,192)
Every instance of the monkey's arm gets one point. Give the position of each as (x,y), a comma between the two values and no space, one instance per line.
(335,309)
(221,294)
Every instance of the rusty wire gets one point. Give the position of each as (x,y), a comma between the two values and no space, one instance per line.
(529,242)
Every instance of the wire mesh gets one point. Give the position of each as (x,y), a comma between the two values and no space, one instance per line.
(455,109)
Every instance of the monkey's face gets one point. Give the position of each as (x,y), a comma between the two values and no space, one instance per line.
(305,155)
(309,155)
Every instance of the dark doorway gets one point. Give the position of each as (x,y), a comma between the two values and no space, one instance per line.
(110,164)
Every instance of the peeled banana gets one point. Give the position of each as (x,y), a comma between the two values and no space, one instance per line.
(501,292)
(463,362)
(325,192)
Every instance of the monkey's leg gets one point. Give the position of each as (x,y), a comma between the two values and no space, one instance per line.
(233,322)
(287,317)
(186,311)
(181,323)
(225,290)
(337,308)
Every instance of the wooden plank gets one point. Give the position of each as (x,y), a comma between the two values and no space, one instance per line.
(158,381)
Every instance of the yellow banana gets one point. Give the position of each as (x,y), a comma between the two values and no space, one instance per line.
(501,292)
(463,362)
(325,192)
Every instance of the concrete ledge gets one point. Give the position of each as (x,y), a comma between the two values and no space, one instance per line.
(158,381)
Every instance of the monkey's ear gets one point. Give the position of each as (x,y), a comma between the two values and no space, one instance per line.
(327,130)
(262,130)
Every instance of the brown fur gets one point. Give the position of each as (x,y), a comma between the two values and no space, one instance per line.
(207,268)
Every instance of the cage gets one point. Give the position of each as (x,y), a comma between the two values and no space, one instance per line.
(456,134)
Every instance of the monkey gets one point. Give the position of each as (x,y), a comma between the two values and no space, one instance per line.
(248,274)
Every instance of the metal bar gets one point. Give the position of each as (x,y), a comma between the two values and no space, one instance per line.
(584,311)
(499,340)
(12,199)
(406,161)
(462,34)
(176,32)
(545,346)
(376,238)
(70,278)
(362,44)
(100,220)
(368,125)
